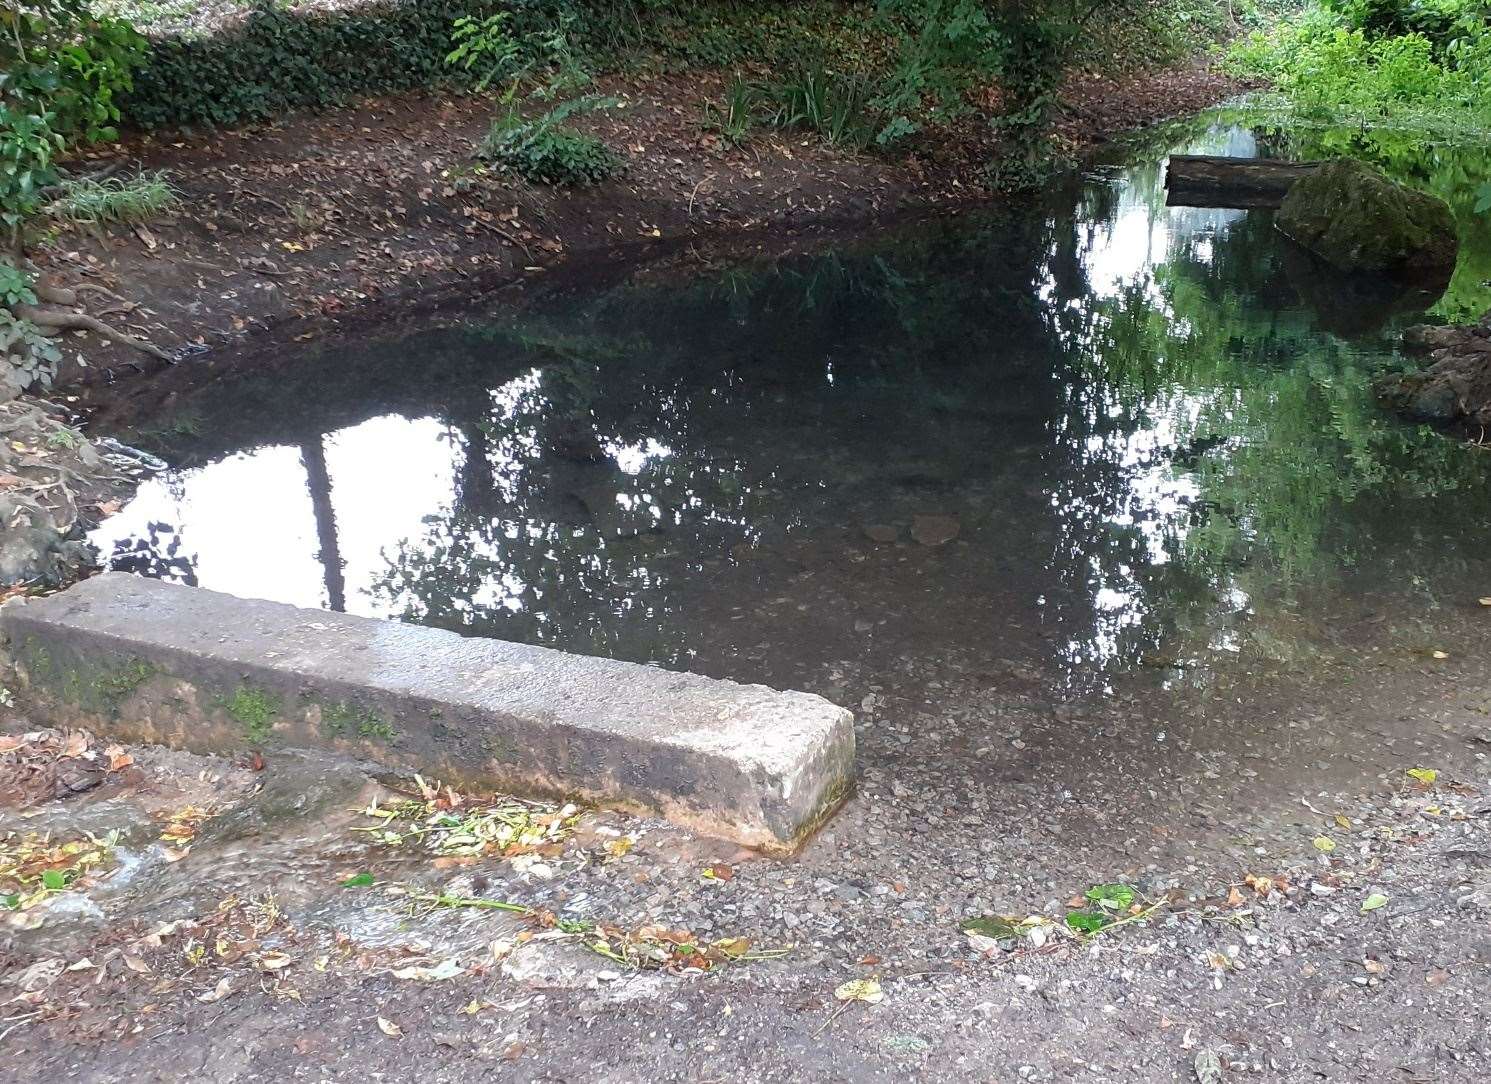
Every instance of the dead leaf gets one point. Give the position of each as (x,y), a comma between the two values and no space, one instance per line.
(223,988)
(389,1028)
(866,990)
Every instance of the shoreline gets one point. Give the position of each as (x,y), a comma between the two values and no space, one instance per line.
(321,224)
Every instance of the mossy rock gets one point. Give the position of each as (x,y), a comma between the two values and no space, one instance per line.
(1356,219)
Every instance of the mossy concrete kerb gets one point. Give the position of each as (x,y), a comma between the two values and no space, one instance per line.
(141,660)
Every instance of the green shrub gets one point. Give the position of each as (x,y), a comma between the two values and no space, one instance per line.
(1376,60)
(278,60)
(544,151)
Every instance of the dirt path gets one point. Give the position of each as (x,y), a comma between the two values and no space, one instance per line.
(358,213)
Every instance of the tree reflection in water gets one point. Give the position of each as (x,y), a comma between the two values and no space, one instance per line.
(1154,443)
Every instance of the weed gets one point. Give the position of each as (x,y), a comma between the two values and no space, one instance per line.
(115,687)
(342,718)
(836,107)
(544,151)
(93,203)
(733,120)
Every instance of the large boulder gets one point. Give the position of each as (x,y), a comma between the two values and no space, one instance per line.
(1356,219)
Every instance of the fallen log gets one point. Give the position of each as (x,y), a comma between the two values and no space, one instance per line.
(1206,180)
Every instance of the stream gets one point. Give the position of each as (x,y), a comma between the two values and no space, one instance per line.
(1062,446)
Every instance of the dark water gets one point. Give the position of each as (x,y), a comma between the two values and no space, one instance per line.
(1150,429)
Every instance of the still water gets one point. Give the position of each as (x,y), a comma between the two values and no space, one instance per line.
(1053,444)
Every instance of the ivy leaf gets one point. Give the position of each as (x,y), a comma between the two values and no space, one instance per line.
(361,880)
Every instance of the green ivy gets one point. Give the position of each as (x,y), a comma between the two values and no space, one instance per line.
(277,60)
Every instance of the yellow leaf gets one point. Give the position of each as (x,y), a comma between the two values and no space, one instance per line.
(1423,775)
(866,990)
(1342,820)
(616,848)
(1325,843)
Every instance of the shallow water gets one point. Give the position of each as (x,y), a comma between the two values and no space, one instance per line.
(1051,445)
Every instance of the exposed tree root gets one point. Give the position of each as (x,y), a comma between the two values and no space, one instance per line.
(78,321)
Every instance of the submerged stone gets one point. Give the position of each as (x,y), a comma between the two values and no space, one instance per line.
(1356,219)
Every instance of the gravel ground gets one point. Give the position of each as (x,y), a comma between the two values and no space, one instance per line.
(1305,908)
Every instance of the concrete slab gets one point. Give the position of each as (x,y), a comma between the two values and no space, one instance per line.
(143,660)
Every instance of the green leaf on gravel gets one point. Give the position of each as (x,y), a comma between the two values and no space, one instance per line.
(361,880)
(1112,897)
(54,880)
(1086,921)
(990,926)
(1424,775)
(1325,844)
(1374,901)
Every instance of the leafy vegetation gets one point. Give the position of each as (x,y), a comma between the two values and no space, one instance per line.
(1424,62)
(544,151)
(539,148)
(62,69)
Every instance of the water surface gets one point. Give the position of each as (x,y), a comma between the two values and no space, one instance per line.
(1054,445)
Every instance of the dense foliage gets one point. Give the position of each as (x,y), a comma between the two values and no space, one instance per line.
(1425,61)
(61,68)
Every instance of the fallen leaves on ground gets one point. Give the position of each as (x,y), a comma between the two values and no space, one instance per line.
(182,825)
(35,867)
(451,826)
(661,949)
(41,765)
(646,948)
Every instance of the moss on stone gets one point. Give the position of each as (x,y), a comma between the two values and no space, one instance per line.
(1356,219)
(340,719)
(253,709)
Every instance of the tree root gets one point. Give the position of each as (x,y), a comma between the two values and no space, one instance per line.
(54,295)
(77,321)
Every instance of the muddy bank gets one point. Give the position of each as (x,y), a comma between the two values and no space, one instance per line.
(360,213)
(1455,387)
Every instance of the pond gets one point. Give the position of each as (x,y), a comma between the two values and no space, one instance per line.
(1054,444)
